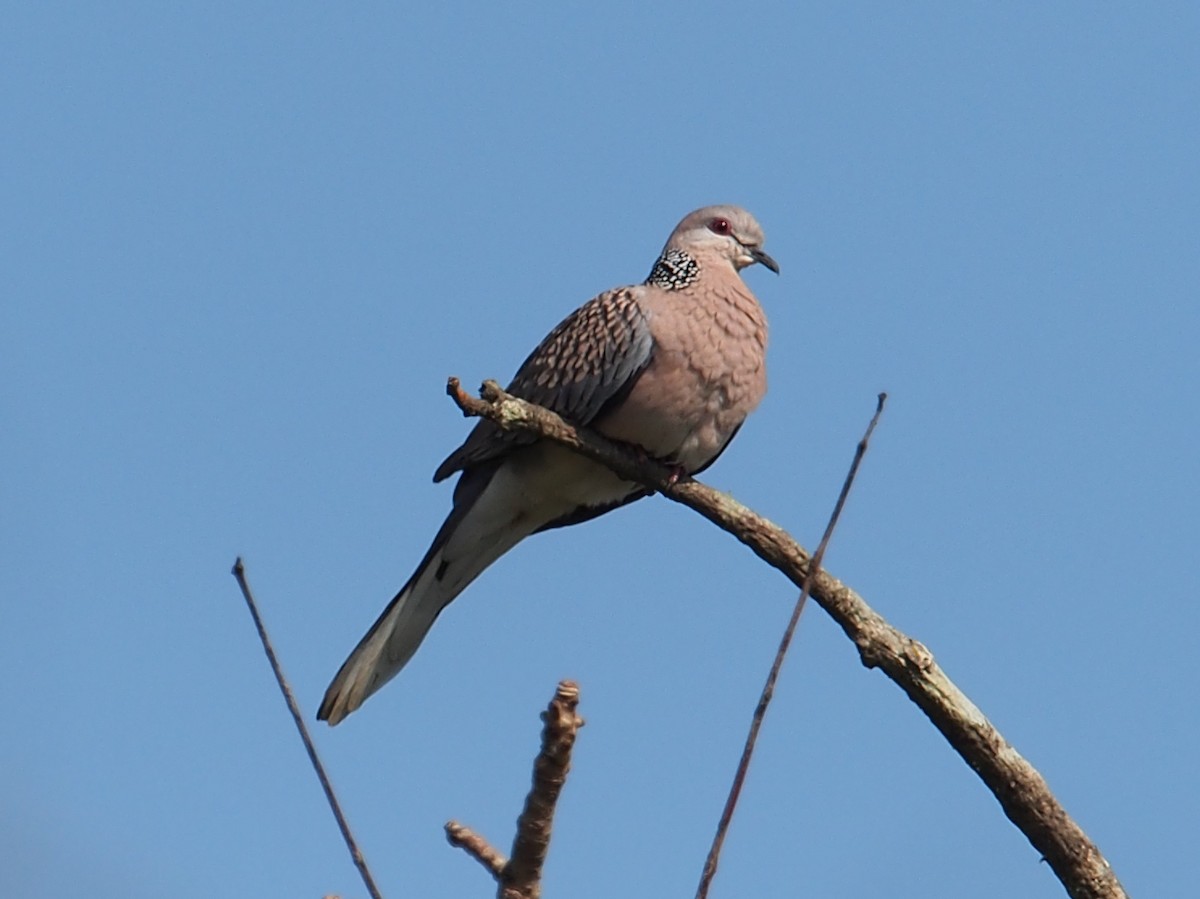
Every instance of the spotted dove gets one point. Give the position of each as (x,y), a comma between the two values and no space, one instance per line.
(673,365)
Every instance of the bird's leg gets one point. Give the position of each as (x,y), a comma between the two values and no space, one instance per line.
(675,471)
(678,472)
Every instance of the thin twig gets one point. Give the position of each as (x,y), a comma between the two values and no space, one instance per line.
(520,877)
(1022,792)
(476,846)
(768,690)
(239,572)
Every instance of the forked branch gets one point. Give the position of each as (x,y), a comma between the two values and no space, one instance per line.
(520,877)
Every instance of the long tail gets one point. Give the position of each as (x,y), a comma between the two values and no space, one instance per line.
(486,522)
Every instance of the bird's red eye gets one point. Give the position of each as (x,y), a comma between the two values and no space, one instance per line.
(720,226)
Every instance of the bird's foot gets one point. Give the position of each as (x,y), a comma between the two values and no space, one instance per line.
(676,473)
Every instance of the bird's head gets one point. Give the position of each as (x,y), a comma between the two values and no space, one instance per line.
(726,232)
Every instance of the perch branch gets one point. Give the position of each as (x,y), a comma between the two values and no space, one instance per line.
(1021,791)
(520,877)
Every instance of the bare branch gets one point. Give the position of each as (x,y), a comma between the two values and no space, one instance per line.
(768,690)
(1021,791)
(523,873)
(360,862)
(521,876)
(476,846)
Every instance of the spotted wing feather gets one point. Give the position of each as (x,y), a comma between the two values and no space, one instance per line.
(587,363)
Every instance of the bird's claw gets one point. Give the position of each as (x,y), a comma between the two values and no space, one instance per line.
(676,473)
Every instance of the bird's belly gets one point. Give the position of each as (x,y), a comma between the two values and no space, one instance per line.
(564,480)
(678,414)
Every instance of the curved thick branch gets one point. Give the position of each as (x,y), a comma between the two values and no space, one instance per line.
(1021,791)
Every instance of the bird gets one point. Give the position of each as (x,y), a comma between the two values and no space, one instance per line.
(673,365)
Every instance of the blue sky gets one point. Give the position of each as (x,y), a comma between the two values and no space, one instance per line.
(244,245)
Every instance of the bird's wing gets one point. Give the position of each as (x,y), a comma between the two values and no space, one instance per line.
(586,365)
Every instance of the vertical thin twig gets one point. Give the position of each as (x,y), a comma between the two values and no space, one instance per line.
(239,572)
(768,691)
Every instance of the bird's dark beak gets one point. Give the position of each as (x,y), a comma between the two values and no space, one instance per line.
(763,259)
